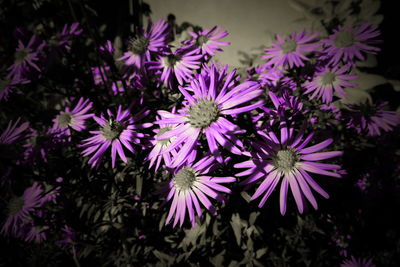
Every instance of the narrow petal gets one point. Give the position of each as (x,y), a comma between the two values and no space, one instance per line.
(283,196)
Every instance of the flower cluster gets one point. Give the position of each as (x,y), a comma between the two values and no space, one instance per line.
(166,110)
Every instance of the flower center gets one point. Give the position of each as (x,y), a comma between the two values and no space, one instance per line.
(185,178)
(21,54)
(344,39)
(285,159)
(328,78)
(15,205)
(138,45)
(171,60)
(64,119)
(112,130)
(288,46)
(161,132)
(202,39)
(203,113)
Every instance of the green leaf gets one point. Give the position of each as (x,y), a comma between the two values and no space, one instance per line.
(355,96)
(236,226)
(395,84)
(139,184)
(193,234)
(246,196)
(260,252)
(164,258)
(83,210)
(369,62)
(233,264)
(369,8)
(218,259)
(96,216)
(367,81)
(162,221)
(253,217)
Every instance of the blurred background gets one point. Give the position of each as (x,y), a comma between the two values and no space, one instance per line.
(250,24)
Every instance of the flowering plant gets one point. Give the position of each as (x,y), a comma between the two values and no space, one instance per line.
(138,147)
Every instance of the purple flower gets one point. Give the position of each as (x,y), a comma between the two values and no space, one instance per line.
(117,132)
(372,119)
(209,100)
(179,64)
(286,107)
(265,76)
(69,236)
(19,209)
(153,40)
(289,50)
(329,80)
(207,41)
(287,158)
(68,33)
(107,50)
(51,194)
(8,85)
(103,75)
(348,43)
(34,233)
(26,58)
(40,143)
(13,132)
(357,262)
(160,147)
(74,118)
(191,186)
(363,182)
(100,74)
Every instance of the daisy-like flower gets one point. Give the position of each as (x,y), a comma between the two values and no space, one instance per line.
(191,186)
(68,238)
(117,132)
(357,262)
(73,118)
(26,58)
(288,160)
(152,40)
(19,209)
(348,43)
(207,42)
(103,76)
(36,233)
(178,64)
(68,33)
(329,80)
(107,50)
(40,143)
(159,151)
(290,50)
(267,77)
(8,85)
(286,107)
(13,132)
(372,119)
(208,103)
